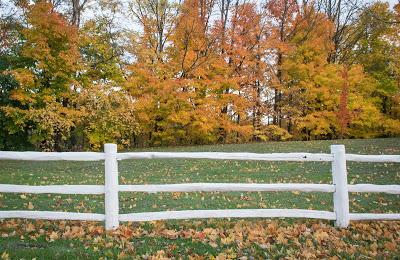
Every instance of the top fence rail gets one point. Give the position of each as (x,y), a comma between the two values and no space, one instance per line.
(52,156)
(98,156)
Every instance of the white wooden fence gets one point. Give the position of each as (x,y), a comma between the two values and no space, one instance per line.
(340,187)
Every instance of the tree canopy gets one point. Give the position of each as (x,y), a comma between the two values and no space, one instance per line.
(75,74)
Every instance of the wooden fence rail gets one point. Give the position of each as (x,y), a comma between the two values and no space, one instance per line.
(340,187)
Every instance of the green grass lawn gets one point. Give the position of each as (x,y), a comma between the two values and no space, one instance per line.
(159,171)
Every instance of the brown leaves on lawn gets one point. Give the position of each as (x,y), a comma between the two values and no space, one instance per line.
(225,239)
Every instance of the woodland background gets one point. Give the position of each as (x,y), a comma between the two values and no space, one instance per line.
(74,76)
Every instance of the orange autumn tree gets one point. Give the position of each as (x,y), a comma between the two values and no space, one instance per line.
(283,15)
(246,40)
(45,94)
(308,99)
(151,81)
(322,99)
(179,97)
(206,74)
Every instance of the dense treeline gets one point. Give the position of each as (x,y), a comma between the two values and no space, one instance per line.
(75,74)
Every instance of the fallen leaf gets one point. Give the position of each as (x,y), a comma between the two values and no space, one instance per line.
(30,205)
(390,246)
(30,227)
(53,236)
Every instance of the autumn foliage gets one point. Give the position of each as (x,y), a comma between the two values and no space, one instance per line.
(197,72)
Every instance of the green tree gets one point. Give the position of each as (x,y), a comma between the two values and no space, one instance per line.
(378,50)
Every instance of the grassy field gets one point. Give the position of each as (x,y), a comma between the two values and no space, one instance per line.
(182,171)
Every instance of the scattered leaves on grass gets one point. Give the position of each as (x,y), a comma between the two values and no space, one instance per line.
(214,239)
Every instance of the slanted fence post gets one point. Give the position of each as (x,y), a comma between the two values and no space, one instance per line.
(341,194)
(111,187)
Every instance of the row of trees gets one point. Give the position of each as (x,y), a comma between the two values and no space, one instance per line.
(75,75)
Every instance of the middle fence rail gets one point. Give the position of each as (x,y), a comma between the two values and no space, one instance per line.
(340,187)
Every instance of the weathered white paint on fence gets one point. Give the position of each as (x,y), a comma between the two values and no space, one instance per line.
(111,202)
(390,189)
(341,194)
(210,187)
(51,156)
(58,189)
(372,158)
(299,157)
(53,215)
(340,187)
(228,213)
(374,216)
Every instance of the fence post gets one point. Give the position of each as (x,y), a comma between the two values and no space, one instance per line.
(111,200)
(341,194)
